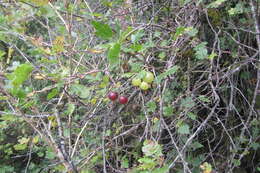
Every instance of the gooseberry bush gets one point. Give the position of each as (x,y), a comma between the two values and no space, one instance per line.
(135,86)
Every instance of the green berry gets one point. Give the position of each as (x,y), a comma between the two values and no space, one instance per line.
(144,86)
(136,82)
(149,77)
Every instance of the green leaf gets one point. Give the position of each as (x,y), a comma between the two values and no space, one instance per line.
(137,36)
(136,47)
(18,92)
(168,95)
(141,74)
(236,162)
(3,98)
(187,102)
(136,66)
(164,43)
(106,79)
(184,129)
(53,93)
(168,111)
(8,117)
(157,33)
(196,145)
(192,116)
(196,161)
(152,148)
(151,106)
(39,2)
(20,74)
(201,51)
(245,75)
(59,168)
(3,19)
(204,99)
(125,163)
(2,53)
(164,169)
(46,11)
(113,53)
(127,75)
(18,147)
(102,30)
(50,155)
(191,31)
(5,169)
(67,133)
(216,3)
(80,90)
(162,55)
(255,146)
(148,44)
(125,34)
(71,108)
(170,71)
(237,10)
(179,31)
(147,163)
(29,104)
(212,55)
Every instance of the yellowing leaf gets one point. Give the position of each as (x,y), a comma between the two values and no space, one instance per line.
(37,41)
(54,124)
(24,140)
(58,44)
(96,51)
(93,74)
(35,139)
(206,167)
(30,94)
(155,119)
(40,2)
(47,51)
(118,84)
(39,76)
(58,40)
(9,55)
(93,101)
(206,171)
(157,99)
(51,118)
(52,121)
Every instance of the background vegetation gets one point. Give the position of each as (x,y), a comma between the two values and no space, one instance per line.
(60,59)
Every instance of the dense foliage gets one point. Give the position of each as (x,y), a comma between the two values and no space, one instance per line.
(182,78)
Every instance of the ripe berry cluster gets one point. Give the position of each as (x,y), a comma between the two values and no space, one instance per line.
(143,83)
(114,95)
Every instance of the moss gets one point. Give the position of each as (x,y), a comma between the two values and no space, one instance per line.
(215,17)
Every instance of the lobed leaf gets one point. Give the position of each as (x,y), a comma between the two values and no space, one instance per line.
(102,30)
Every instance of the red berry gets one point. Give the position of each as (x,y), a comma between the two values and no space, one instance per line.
(112,96)
(123,99)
